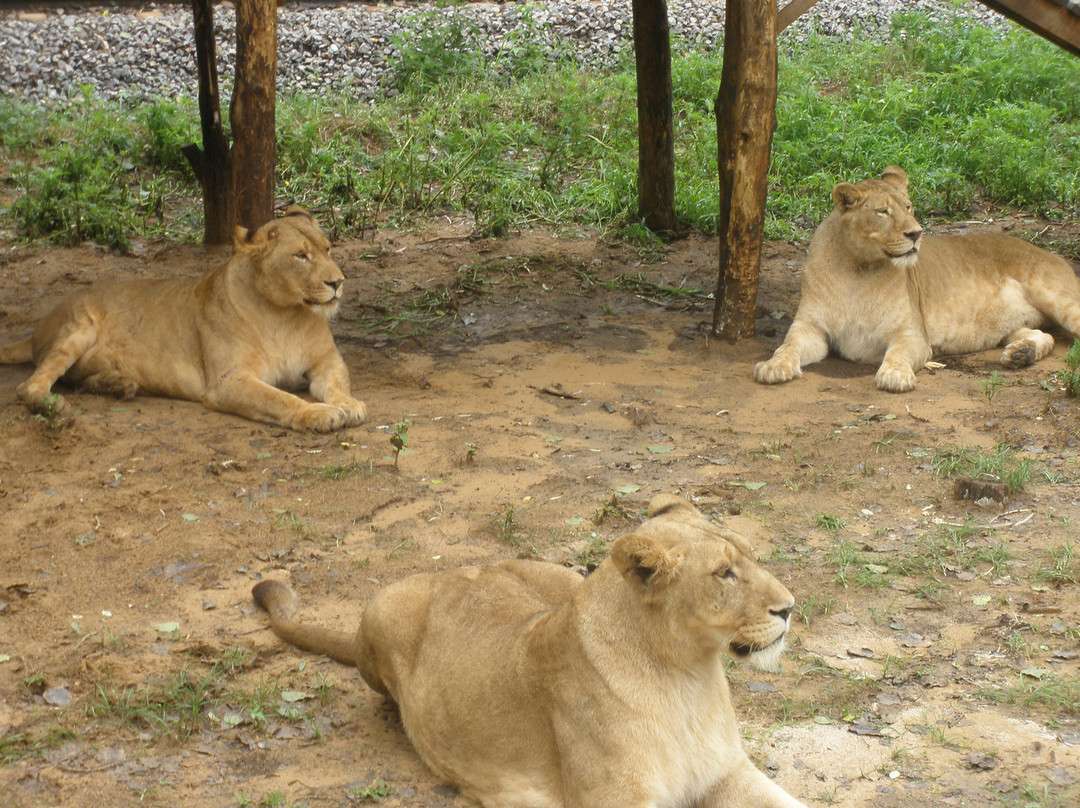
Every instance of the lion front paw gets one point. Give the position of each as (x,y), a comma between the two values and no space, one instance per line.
(318,418)
(895,379)
(777,370)
(355,411)
(41,401)
(1019,354)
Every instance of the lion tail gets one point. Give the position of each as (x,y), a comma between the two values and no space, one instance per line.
(17,353)
(280,603)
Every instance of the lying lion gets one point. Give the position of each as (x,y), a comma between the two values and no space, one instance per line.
(528,686)
(228,340)
(876,290)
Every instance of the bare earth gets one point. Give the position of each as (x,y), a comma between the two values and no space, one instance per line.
(546,406)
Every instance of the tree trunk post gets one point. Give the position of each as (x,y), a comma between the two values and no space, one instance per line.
(656,146)
(213,163)
(745,121)
(252,111)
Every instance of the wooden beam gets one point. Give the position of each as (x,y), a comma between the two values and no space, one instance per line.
(656,132)
(252,111)
(791,12)
(212,163)
(745,121)
(1048,19)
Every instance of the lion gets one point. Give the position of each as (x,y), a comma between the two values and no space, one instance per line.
(875,289)
(228,340)
(528,686)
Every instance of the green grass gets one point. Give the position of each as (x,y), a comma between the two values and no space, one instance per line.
(999,464)
(529,137)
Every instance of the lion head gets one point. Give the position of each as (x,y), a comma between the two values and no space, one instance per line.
(292,263)
(879,221)
(704,585)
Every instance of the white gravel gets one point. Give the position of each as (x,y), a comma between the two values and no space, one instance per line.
(117,51)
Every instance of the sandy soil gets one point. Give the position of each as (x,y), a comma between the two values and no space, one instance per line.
(552,387)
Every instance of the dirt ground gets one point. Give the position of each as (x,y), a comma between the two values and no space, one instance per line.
(552,384)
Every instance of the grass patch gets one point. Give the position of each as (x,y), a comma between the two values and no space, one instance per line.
(528,136)
(1059,695)
(1000,464)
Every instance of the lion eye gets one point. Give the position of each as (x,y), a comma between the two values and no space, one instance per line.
(883,211)
(303,256)
(725,574)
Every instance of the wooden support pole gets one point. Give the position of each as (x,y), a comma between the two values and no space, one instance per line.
(252,111)
(745,122)
(213,163)
(656,142)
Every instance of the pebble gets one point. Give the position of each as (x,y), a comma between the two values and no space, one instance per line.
(148,52)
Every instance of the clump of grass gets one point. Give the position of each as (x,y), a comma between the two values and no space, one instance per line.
(1000,464)
(1070,376)
(830,522)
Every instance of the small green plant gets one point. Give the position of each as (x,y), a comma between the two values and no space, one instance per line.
(399,439)
(590,556)
(49,414)
(336,472)
(1070,376)
(376,791)
(990,386)
(1064,566)
(1000,464)
(829,522)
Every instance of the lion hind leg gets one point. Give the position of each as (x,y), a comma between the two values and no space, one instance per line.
(111,383)
(63,352)
(1026,346)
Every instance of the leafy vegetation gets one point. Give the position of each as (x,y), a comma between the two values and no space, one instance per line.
(528,136)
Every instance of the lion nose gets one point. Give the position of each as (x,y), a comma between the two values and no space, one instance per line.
(914,234)
(336,284)
(783,614)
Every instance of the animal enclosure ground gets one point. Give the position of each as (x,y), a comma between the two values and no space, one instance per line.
(546,387)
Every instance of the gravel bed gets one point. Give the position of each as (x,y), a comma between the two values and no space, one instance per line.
(150,53)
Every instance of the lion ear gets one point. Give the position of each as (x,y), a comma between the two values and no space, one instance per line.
(643,561)
(895,176)
(668,503)
(846,195)
(299,210)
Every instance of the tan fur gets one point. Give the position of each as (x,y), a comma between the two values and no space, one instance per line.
(876,290)
(229,340)
(529,687)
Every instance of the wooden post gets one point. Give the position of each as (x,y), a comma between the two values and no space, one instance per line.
(745,121)
(213,163)
(656,143)
(252,111)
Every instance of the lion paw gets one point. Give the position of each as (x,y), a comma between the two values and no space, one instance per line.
(319,418)
(896,379)
(1019,355)
(355,411)
(41,401)
(775,371)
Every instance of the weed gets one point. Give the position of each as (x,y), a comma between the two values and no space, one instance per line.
(400,438)
(376,791)
(288,520)
(1064,566)
(990,386)
(829,522)
(998,465)
(807,607)
(1060,695)
(1069,378)
(591,554)
(48,414)
(336,472)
